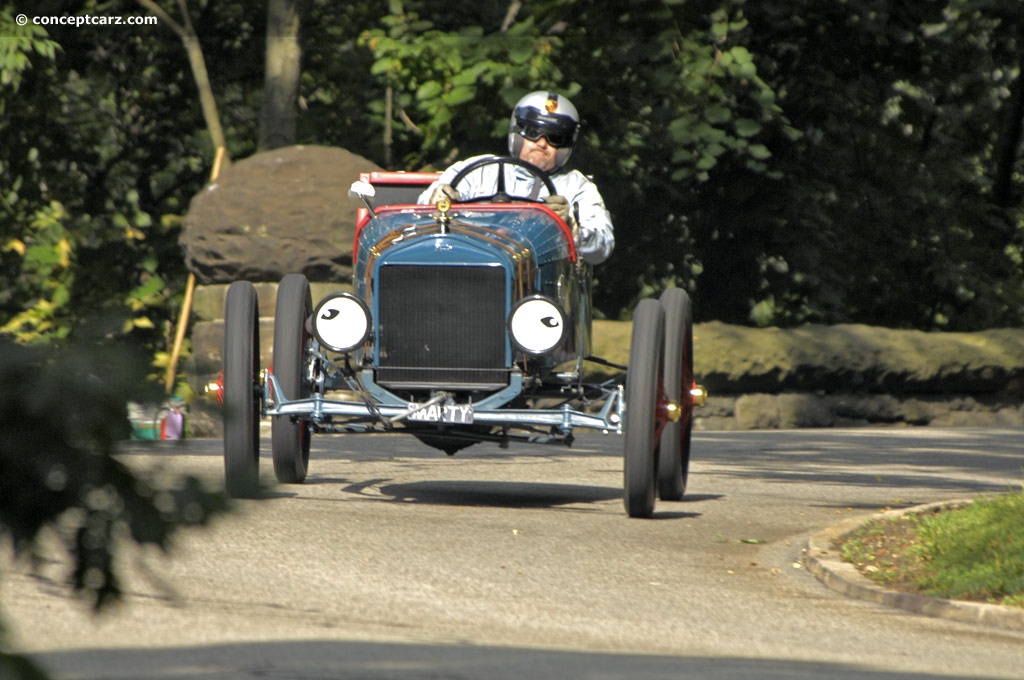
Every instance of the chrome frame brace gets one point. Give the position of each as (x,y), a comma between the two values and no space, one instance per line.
(317,408)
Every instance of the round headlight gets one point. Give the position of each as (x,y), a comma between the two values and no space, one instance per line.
(341,322)
(536,325)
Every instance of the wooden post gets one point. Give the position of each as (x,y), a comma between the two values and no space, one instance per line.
(186,305)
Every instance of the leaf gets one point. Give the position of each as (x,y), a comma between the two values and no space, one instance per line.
(520,53)
(460,95)
(707,162)
(681,130)
(746,127)
(154,285)
(428,90)
(741,55)
(150,263)
(746,70)
(42,254)
(717,113)
(759,151)
(61,295)
(16,245)
(64,252)
(383,66)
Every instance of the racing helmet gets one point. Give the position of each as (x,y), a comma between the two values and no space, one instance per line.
(544,114)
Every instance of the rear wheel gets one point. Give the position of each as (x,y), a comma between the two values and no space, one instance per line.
(290,438)
(645,359)
(677,378)
(241,390)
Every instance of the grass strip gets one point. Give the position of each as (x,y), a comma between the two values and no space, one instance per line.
(975,552)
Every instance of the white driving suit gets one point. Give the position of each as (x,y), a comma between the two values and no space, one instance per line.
(597,237)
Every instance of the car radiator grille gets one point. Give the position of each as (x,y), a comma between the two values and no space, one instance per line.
(441,326)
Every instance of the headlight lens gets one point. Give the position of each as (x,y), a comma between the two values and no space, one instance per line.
(341,322)
(536,325)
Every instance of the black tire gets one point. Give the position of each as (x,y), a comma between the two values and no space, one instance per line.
(677,378)
(241,391)
(645,359)
(290,439)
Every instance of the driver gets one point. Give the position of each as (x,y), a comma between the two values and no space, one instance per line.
(542,130)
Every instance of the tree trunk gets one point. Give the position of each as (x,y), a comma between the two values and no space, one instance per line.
(278,111)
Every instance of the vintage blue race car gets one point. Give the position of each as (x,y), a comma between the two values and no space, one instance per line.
(467,323)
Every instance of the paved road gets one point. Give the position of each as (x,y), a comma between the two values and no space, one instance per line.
(519,563)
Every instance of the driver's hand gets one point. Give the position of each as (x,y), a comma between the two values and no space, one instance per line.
(444,191)
(559,205)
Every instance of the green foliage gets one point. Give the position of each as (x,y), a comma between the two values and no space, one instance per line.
(437,76)
(45,251)
(724,105)
(17,43)
(104,146)
(886,213)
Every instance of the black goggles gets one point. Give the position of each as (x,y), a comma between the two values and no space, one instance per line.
(556,139)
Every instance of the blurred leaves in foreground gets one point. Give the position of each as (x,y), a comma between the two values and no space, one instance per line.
(62,414)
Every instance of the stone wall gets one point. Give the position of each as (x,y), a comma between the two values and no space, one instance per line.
(847,375)
(851,375)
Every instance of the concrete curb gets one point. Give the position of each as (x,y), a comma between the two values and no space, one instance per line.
(823,560)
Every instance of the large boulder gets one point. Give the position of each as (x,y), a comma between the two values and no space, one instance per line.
(276,213)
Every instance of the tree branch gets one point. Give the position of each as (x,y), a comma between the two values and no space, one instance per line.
(164,17)
(198,63)
(510,16)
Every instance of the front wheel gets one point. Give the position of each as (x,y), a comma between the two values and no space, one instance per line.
(677,379)
(645,360)
(241,390)
(290,438)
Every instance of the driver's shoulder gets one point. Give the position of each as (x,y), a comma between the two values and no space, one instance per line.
(571,178)
(573,173)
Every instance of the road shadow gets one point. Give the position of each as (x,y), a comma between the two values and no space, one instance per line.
(484,493)
(344,660)
(476,493)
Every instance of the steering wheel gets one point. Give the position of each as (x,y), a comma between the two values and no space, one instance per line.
(502,196)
